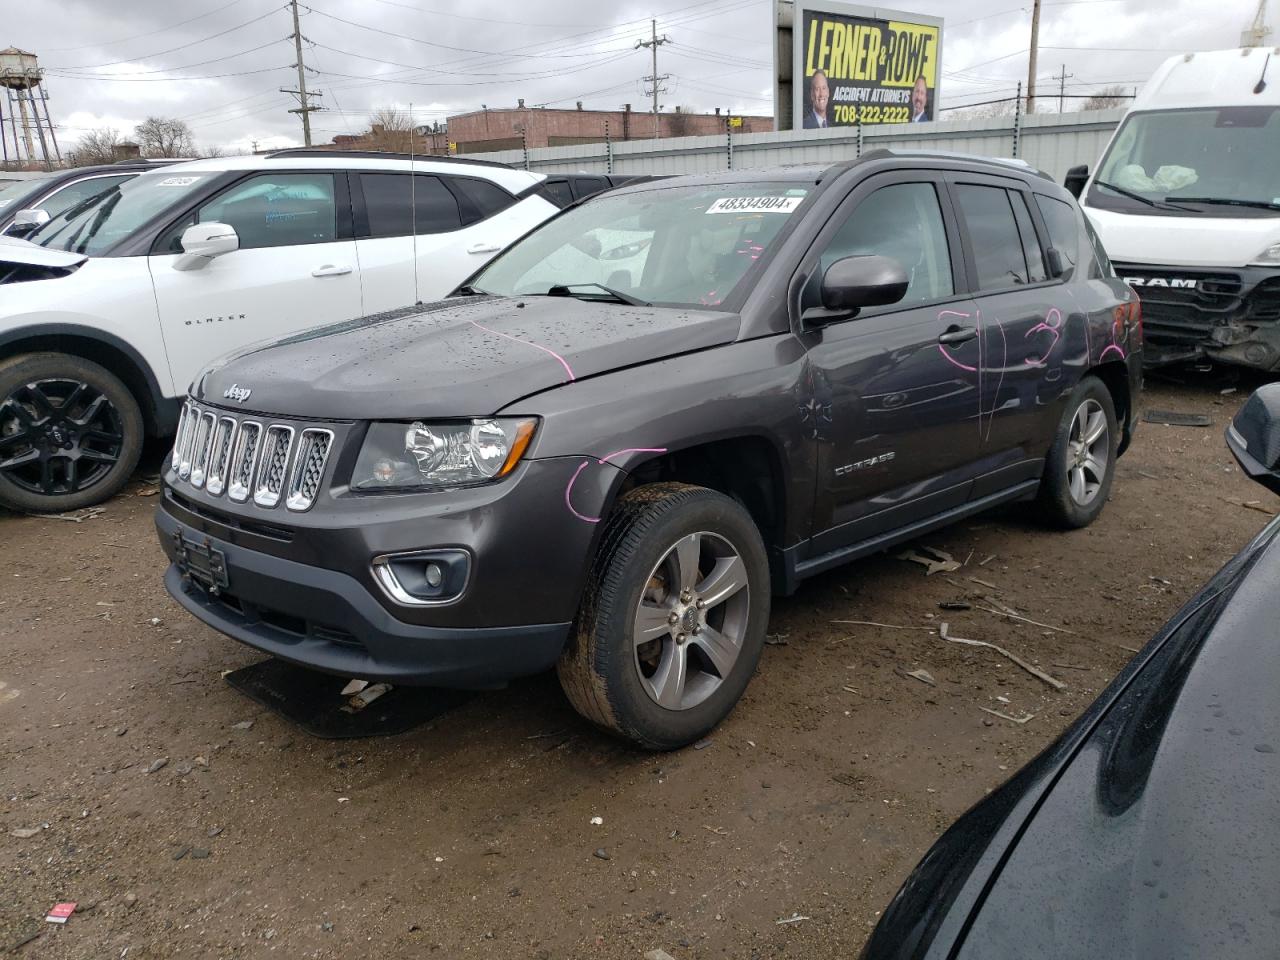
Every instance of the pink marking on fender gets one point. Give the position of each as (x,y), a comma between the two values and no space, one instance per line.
(568,490)
(528,343)
(995,401)
(1109,348)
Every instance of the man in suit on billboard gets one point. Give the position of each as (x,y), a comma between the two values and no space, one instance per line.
(815,117)
(920,101)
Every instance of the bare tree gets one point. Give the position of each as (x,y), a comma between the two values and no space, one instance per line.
(1106,98)
(165,137)
(390,129)
(983,111)
(680,123)
(96,146)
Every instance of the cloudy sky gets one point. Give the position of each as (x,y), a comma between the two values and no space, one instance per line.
(219,64)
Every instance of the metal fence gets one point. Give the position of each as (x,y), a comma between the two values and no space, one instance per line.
(1052,142)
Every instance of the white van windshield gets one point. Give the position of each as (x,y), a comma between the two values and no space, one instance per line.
(1216,161)
(97,224)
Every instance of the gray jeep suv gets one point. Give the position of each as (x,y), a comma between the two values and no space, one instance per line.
(607,450)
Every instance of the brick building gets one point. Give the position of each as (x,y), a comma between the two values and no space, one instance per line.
(487,130)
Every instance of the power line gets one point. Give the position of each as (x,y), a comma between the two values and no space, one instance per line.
(139,36)
(185,66)
(183,46)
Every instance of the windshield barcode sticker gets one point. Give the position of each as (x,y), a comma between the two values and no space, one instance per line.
(177,181)
(755,205)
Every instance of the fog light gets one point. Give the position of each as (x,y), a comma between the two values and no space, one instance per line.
(423,577)
(435,576)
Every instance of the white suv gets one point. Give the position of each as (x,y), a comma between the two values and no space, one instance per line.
(115,305)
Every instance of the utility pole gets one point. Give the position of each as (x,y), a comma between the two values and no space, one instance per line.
(305,107)
(1031,65)
(1062,85)
(654,42)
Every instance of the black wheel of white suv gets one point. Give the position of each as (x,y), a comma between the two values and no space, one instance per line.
(70,433)
(673,619)
(1082,461)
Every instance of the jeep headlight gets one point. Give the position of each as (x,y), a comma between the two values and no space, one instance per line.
(1269,257)
(442,454)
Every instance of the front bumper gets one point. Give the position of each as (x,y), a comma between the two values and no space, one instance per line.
(1230,315)
(328,621)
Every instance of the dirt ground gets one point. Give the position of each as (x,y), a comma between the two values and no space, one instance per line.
(474,835)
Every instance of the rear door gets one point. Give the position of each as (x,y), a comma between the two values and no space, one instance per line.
(892,401)
(1024,315)
(461,222)
(295,269)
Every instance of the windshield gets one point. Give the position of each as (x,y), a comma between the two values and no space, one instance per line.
(17,191)
(97,224)
(685,246)
(1183,160)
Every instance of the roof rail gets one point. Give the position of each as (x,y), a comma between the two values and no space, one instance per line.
(1016,163)
(380,155)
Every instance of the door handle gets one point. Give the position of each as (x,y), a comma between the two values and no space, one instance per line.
(329,270)
(483,248)
(954,335)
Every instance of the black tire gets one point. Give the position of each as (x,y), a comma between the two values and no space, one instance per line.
(70,433)
(601,669)
(1057,503)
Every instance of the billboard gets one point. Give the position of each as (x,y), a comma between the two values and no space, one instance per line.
(854,64)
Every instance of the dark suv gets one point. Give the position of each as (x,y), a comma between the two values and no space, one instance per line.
(611,447)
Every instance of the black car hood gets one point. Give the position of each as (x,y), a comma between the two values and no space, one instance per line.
(1159,838)
(455,358)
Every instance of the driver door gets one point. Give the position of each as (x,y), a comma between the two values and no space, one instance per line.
(894,390)
(296,268)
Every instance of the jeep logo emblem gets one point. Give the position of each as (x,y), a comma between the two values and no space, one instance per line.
(237,393)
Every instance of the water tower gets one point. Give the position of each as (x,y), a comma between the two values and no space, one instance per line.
(26,109)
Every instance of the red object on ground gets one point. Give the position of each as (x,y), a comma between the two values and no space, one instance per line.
(61,912)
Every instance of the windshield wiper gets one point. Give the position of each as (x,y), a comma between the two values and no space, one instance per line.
(1230,202)
(1159,204)
(566,290)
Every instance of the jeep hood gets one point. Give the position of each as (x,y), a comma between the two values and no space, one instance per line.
(13,250)
(456,358)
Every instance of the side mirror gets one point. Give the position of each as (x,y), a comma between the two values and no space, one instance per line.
(1254,436)
(27,221)
(1075,180)
(201,242)
(852,283)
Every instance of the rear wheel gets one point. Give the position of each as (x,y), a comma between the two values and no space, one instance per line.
(1082,461)
(70,433)
(674,617)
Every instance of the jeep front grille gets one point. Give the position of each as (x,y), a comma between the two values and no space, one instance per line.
(308,468)
(272,462)
(250,460)
(243,459)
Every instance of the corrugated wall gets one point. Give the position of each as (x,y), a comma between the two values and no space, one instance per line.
(1051,142)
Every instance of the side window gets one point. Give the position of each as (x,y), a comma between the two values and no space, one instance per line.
(993,233)
(558,192)
(1064,234)
(1101,262)
(1036,272)
(75,193)
(486,198)
(277,210)
(902,222)
(392,200)
(588,186)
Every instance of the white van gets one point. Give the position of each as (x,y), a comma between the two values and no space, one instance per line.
(115,305)
(1187,202)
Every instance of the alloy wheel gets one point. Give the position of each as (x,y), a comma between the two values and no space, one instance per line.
(691,621)
(1088,452)
(58,436)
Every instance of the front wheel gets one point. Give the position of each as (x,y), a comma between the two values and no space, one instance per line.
(1082,461)
(673,619)
(70,433)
